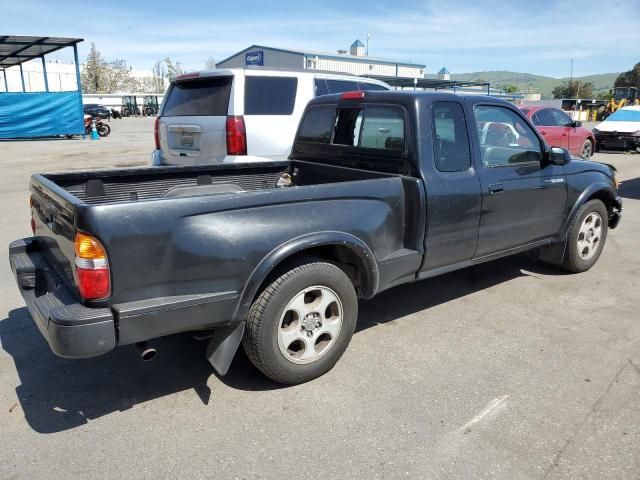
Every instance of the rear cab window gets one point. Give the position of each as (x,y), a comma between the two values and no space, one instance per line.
(269,95)
(198,97)
(366,126)
(370,136)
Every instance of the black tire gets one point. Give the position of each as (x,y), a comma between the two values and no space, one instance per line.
(587,149)
(103,130)
(266,313)
(572,260)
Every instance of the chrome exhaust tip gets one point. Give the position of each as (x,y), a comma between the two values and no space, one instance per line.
(146,352)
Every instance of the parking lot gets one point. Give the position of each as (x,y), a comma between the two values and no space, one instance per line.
(510,369)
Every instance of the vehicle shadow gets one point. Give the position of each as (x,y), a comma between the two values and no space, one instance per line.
(58,394)
(630,189)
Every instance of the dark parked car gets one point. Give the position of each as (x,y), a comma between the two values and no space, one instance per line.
(381,189)
(559,130)
(97,111)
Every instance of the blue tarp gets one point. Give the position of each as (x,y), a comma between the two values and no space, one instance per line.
(43,114)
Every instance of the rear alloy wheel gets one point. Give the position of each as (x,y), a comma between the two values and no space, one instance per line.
(302,322)
(587,149)
(586,237)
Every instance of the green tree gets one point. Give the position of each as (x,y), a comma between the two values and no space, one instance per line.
(94,72)
(173,67)
(573,89)
(630,78)
(509,88)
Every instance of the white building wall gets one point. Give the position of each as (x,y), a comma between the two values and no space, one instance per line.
(365,68)
(61,77)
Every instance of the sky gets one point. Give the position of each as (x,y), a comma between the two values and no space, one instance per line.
(534,36)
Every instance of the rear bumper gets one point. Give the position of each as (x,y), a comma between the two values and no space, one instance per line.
(71,329)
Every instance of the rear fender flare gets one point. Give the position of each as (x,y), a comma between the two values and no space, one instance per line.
(369,266)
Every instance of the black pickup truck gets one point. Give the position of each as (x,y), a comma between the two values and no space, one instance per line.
(381,189)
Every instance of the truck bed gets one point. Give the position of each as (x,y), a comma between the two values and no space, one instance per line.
(131,185)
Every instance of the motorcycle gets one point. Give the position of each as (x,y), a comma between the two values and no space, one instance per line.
(103,129)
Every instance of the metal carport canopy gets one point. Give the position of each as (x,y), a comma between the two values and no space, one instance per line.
(15,49)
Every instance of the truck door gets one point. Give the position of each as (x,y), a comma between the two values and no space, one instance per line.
(523,198)
(453,188)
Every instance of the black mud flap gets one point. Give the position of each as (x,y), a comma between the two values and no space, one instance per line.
(553,253)
(223,345)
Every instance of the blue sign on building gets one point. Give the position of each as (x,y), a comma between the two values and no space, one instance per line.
(254,58)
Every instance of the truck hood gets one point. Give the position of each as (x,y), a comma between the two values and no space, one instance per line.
(622,127)
(577,165)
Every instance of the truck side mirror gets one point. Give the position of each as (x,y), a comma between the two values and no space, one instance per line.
(558,156)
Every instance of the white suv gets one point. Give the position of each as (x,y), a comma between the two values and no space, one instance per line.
(236,115)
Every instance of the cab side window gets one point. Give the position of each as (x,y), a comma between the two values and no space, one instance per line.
(450,139)
(505,138)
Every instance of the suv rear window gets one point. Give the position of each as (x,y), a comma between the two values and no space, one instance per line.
(269,95)
(199,97)
(326,87)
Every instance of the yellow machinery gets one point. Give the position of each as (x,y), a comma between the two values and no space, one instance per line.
(622,97)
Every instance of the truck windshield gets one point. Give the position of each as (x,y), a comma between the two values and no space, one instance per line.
(198,97)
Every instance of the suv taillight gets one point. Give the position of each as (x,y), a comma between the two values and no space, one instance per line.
(236,136)
(156,135)
(92,268)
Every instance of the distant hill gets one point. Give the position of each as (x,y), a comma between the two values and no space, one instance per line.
(601,83)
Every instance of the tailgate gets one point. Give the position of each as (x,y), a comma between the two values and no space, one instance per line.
(192,125)
(53,213)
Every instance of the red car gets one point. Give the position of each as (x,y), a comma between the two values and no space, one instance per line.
(560,131)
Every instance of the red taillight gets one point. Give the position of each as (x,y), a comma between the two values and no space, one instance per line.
(185,76)
(92,268)
(156,135)
(236,136)
(357,95)
(94,284)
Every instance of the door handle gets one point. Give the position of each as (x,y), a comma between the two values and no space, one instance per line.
(543,132)
(496,188)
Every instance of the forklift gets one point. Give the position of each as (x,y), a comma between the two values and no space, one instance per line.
(150,105)
(129,106)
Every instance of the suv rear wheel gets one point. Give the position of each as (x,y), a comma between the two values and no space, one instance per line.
(302,322)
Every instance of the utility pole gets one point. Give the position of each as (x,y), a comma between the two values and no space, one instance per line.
(368,36)
(571,74)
